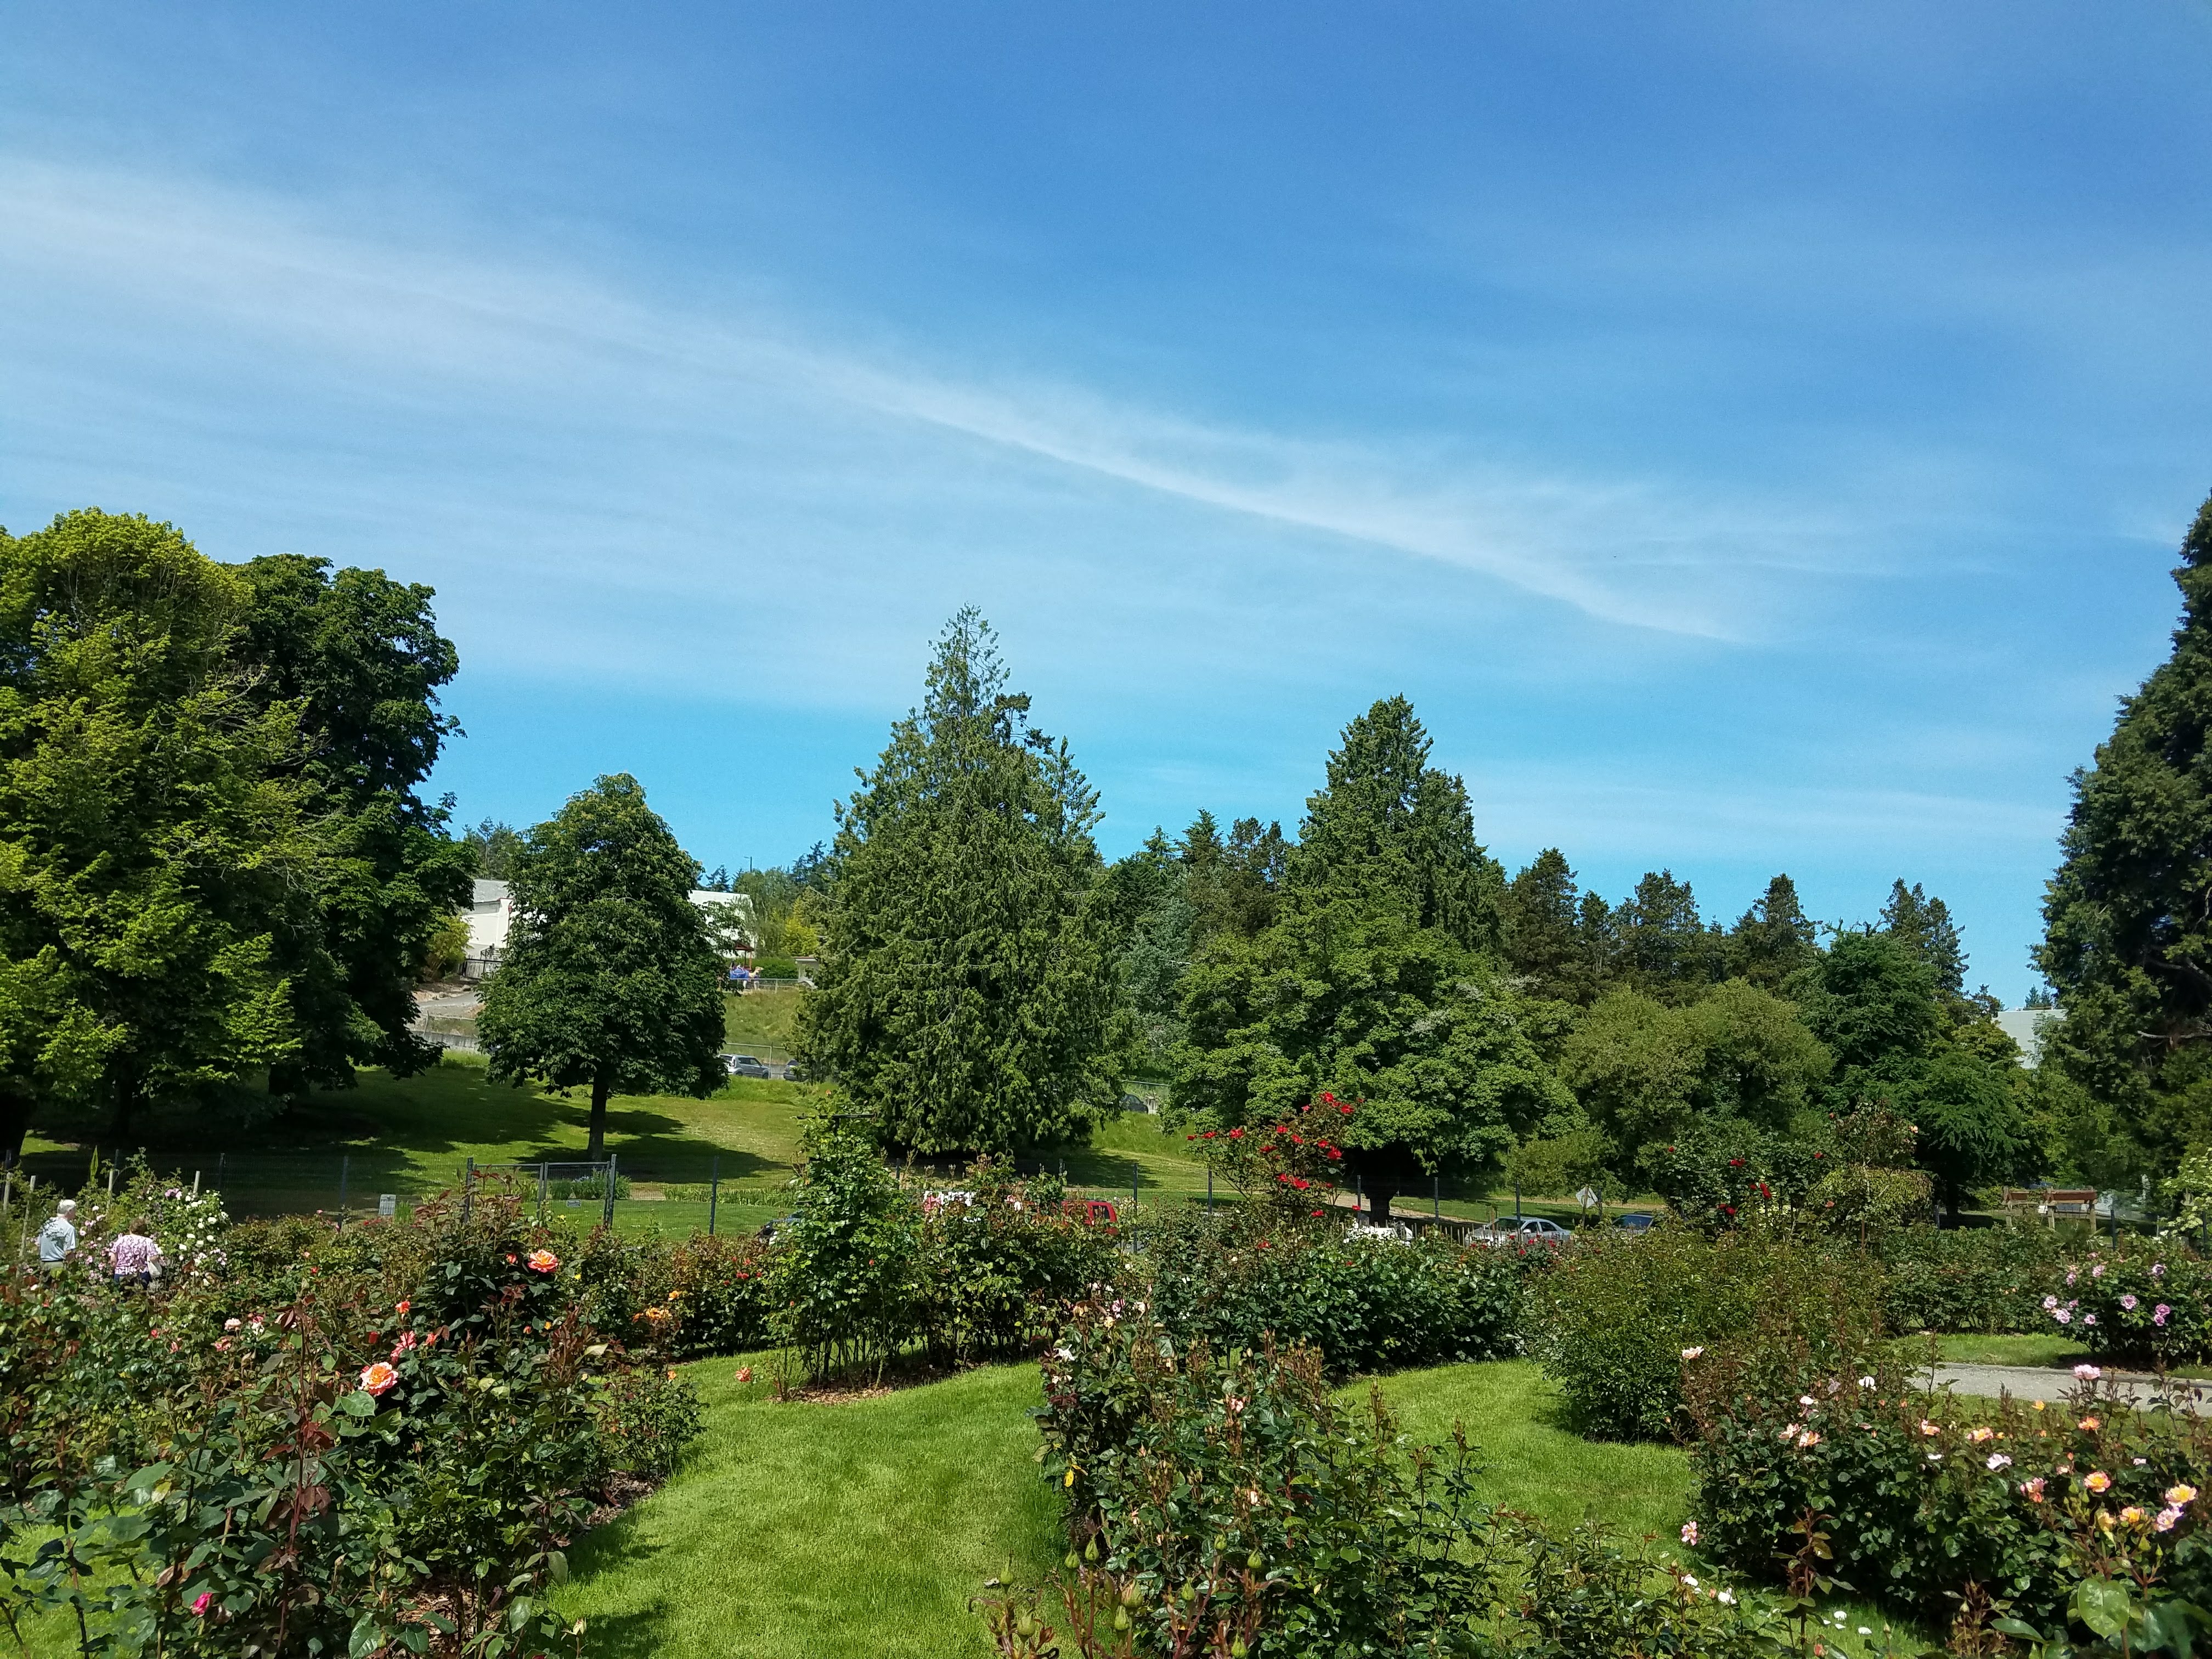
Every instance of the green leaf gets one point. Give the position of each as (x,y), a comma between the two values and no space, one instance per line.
(2103,1606)
(359,1403)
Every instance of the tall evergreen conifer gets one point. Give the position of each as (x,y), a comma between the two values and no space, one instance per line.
(1773,938)
(2128,917)
(968,998)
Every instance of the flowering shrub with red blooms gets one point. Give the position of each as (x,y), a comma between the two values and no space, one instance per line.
(1292,1165)
(1926,1499)
(1720,1174)
(390,1456)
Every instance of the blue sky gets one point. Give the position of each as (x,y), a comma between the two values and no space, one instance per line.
(1755,435)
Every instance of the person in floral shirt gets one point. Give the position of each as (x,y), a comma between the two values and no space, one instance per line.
(131,1257)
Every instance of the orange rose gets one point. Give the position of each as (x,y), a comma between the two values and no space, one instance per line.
(378,1377)
(543,1262)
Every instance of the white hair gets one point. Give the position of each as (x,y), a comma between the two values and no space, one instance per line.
(66,1204)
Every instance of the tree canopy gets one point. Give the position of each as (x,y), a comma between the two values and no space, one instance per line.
(359,658)
(609,982)
(1376,982)
(968,998)
(160,866)
(2128,916)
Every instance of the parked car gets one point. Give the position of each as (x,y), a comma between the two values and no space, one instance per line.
(1534,1229)
(1636,1221)
(746,1066)
(1097,1210)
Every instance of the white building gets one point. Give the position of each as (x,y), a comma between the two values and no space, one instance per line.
(491,912)
(2025,1027)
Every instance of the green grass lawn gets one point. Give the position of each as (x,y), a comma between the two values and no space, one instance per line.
(412,1136)
(1530,1462)
(835,1532)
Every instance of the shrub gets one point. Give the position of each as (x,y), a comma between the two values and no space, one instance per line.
(1616,1318)
(1235,1277)
(2146,1302)
(843,1283)
(372,1442)
(1242,1477)
(1986,1279)
(1723,1171)
(1226,1504)
(1951,1507)
(995,1261)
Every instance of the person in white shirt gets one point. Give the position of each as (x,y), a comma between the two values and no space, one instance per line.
(58,1237)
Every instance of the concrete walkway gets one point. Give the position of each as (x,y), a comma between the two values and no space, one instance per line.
(2045,1383)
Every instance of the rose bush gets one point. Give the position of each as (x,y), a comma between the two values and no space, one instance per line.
(2148,1302)
(379,1443)
(2002,1513)
(1225,1504)
(1614,1317)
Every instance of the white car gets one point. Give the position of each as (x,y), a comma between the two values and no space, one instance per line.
(1529,1229)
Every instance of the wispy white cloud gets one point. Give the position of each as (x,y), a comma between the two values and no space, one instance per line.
(413,316)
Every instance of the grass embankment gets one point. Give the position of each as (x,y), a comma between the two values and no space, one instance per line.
(761,1023)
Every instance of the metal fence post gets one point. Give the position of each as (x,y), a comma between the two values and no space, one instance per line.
(468,1189)
(345,1170)
(607,1204)
(1136,1170)
(1209,1189)
(1436,1198)
(544,1170)
(714,1192)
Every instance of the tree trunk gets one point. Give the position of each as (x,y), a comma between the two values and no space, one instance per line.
(599,1144)
(15,1124)
(126,1103)
(1378,1200)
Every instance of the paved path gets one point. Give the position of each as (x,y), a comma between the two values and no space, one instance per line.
(2042,1382)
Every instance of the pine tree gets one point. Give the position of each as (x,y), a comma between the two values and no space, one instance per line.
(1923,926)
(1388,823)
(1539,909)
(1773,938)
(968,997)
(2128,916)
(1664,944)
(610,981)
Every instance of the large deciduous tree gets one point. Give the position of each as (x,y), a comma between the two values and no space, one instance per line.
(968,998)
(1377,980)
(1646,1071)
(360,657)
(1877,1001)
(2128,916)
(609,982)
(159,865)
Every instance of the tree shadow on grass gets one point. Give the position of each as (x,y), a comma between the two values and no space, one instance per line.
(608,1551)
(639,1635)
